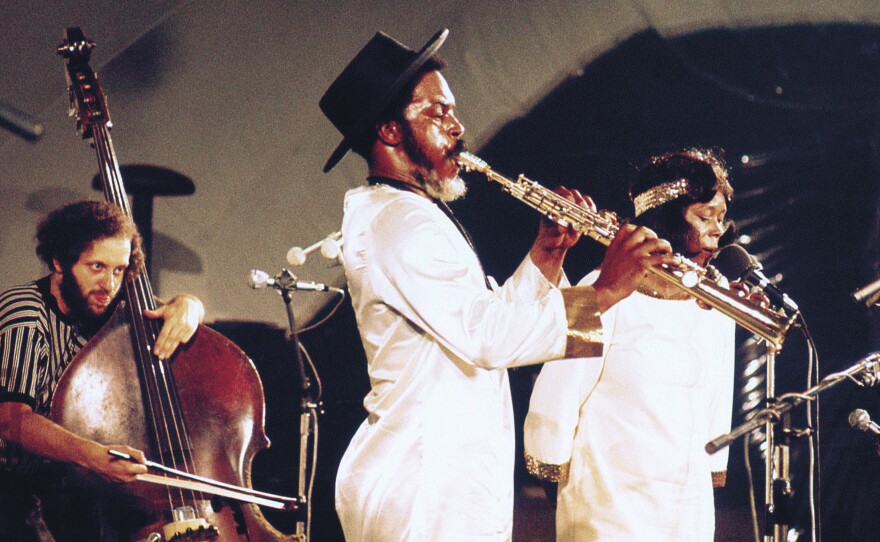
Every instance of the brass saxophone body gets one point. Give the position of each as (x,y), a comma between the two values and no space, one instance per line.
(704,284)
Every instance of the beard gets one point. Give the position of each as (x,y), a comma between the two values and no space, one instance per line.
(445,190)
(73,297)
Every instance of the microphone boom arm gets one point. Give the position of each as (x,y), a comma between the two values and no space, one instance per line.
(868,294)
(865,373)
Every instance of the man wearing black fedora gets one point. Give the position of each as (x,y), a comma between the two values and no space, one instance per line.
(434,458)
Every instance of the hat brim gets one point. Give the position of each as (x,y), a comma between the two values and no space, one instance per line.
(426,52)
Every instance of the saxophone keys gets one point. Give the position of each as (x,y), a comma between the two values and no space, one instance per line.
(690,278)
(703,305)
(739,289)
(759,299)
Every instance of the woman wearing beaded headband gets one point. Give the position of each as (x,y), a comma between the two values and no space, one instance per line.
(671,184)
(623,433)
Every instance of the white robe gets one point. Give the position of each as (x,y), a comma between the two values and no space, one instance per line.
(632,424)
(434,459)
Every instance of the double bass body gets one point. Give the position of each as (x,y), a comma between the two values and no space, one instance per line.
(101,397)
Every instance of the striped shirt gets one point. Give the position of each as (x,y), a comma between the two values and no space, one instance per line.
(37,342)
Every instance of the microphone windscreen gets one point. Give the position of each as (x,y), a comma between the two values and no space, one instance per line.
(258,279)
(330,248)
(732,261)
(859,419)
(296,256)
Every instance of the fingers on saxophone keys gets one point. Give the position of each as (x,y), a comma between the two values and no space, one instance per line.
(626,234)
(589,203)
(655,253)
(658,247)
(577,197)
(652,250)
(635,236)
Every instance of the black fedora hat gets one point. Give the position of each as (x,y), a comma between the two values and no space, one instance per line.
(369,84)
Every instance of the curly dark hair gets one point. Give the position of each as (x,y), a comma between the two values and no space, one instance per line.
(64,234)
(706,173)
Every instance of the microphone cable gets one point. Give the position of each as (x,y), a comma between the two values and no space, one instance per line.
(815,452)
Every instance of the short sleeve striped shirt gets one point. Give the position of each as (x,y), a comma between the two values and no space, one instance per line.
(36,344)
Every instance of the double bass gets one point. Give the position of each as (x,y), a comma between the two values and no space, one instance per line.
(199,414)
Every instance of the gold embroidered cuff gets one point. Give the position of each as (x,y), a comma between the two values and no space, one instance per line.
(584,325)
(545,471)
(719,478)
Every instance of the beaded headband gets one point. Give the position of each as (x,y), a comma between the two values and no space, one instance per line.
(660,194)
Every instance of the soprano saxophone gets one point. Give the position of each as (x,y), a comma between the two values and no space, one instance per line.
(704,284)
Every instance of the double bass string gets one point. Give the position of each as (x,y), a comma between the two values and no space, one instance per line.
(160,388)
(138,297)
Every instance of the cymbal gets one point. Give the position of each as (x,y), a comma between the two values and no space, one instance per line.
(149,180)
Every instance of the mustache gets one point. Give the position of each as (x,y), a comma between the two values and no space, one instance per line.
(460,147)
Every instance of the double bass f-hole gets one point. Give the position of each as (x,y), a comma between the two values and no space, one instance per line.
(198,416)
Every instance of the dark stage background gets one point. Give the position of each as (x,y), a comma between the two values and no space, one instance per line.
(795,110)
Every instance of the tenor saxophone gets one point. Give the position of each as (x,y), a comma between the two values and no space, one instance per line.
(705,284)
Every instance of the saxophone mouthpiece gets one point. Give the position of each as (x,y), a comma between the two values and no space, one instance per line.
(470,162)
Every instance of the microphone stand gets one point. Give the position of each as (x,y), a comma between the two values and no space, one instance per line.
(777,475)
(307,407)
(777,458)
(286,283)
(778,488)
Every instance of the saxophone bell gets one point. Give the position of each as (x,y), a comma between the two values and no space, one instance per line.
(708,286)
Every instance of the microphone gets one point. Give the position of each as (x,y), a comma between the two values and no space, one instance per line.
(330,249)
(869,294)
(285,280)
(20,123)
(734,261)
(861,420)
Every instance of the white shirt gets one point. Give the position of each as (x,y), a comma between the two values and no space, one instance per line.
(434,459)
(633,424)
